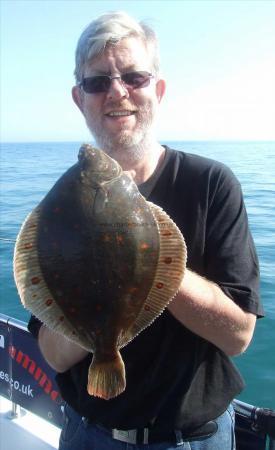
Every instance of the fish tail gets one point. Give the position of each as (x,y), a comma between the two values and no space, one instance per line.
(106,379)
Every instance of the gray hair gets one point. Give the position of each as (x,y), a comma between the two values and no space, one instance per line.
(108,29)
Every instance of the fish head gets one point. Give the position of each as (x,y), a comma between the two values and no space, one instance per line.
(96,165)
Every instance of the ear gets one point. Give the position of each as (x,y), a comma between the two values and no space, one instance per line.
(160,89)
(77,95)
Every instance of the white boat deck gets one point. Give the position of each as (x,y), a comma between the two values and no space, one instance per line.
(25,432)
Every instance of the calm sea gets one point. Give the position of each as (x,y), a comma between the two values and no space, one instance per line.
(29,170)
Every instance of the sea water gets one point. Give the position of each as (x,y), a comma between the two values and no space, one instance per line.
(28,171)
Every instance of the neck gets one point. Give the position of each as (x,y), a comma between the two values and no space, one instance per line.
(142,169)
(138,160)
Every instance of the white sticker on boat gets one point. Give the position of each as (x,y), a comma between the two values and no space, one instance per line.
(2,341)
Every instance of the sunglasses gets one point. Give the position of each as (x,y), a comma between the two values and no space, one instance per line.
(102,83)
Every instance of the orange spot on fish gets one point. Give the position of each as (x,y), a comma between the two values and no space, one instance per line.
(132,225)
(166,233)
(35,280)
(144,246)
(106,237)
(147,308)
(61,318)
(49,301)
(159,285)
(28,246)
(168,260)
(119,238)
(133,290)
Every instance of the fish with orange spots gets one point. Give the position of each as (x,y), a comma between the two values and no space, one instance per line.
(98,263)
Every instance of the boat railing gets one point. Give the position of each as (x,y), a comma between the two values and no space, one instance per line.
(29,382)
(255,427)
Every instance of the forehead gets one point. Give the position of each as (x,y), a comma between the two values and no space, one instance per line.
(128,53)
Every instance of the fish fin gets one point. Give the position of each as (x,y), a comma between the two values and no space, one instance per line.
(106,379)
(33,291)
(100,201)
(169,273)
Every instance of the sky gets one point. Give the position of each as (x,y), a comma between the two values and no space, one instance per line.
(218,59)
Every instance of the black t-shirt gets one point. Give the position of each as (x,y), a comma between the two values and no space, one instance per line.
(176,379)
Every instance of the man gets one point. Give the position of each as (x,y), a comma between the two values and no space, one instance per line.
(180,381)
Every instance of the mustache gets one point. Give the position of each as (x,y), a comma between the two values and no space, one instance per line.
(125,104)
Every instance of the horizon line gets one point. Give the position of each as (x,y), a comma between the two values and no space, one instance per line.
(159,140)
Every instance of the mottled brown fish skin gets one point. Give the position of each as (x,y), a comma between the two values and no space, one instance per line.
(98,249)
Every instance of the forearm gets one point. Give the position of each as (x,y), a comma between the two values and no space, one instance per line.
(59,352)
(203,308)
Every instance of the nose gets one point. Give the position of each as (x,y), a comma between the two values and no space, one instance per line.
(117,90)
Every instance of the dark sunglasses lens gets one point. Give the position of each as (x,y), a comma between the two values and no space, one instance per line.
(101,83)
(136,79)
(93,85)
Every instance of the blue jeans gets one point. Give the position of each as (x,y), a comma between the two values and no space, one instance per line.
(78,435)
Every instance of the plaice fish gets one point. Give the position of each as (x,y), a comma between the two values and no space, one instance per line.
(98,263)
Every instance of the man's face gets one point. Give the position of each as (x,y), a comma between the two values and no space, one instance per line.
(122,117)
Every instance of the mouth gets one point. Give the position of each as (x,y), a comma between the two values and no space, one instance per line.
(120,113)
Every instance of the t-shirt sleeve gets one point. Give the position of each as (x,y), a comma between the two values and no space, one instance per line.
(34,326)
(231,259)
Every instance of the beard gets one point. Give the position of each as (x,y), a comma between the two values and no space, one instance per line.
(126,146)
